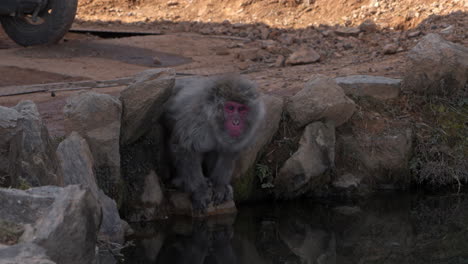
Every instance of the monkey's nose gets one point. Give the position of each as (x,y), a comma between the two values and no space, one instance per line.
(236,122)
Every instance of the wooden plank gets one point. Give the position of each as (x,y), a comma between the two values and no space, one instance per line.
(62,86)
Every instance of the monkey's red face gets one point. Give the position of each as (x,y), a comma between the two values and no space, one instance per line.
(235,115)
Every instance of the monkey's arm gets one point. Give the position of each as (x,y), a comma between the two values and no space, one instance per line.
(221,177)
(190,178)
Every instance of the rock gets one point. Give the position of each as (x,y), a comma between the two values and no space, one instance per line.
(414,34)
(280,61)
(321,98)
(390,48)
(157,60)
(77,165)
(68,231)
(243,176)
(96,117)
(76,162)
(378,159)
(10,139)
(112,227)
(347,32)
(37,153)
(180,204)
(303,56)
(147,201)
(222,51)
(10,232)
(306,168)
(140,161)
(142,102)
(25,207)
(368,26)
(346,181)
(24,253)
(448,30)
(247,54)
(436,67)
(367,85)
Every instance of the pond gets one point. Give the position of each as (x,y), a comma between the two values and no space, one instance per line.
(388,228)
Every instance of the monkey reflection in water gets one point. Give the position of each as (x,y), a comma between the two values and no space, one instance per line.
(210,120)
(204,245)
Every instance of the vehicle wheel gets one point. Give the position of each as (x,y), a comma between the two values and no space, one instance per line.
(50,26)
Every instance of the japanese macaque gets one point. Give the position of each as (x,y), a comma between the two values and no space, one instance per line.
(210,121)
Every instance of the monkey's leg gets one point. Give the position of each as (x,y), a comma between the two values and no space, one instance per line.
(221,177)
(190,177)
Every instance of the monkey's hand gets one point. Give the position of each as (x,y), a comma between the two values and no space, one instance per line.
(201,198)
(222,193)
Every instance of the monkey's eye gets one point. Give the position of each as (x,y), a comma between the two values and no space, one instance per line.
(230,108)
(242,109)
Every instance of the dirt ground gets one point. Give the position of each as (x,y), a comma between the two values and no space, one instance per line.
(195,46)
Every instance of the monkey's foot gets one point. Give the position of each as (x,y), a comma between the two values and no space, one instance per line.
(201,199)
(222,194)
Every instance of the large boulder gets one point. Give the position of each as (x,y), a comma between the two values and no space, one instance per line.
(143,102)
(143,163)
(376,159)
(366,85)
(244,173)
(306,168)
(68,231)
(436,67)
(321,98)
(24,253)
(37,153)
(25,207)
(77,163)
(10,139)
(97,118)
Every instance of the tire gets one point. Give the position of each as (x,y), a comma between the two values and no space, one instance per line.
(55,21)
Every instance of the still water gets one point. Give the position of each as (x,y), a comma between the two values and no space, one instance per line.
(389,228)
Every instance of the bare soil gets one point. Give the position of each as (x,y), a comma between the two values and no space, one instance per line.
(195,38)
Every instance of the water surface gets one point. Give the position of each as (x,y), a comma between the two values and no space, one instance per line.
(389,228)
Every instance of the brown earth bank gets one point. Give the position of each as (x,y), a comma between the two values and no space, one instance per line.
(398,14)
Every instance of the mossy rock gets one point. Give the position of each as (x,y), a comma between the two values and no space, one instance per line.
(10,232)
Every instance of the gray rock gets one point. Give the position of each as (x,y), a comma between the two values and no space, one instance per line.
(77,165)
(306,168)
(365,85)
(76,162)
(37,153)
(368,26)
(24,253)
(181,204)
(10,139)
(347,32)
(391,48)
(321,98)
(96,117)
(111,229)
(303,56)
(346,181)
(143,100)
(147,200)
(436,67)
(379,158)
(68,231)
(25,207)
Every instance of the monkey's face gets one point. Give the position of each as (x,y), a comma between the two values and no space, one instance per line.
(235,115)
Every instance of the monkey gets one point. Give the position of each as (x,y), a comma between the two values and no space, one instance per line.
(210,121)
